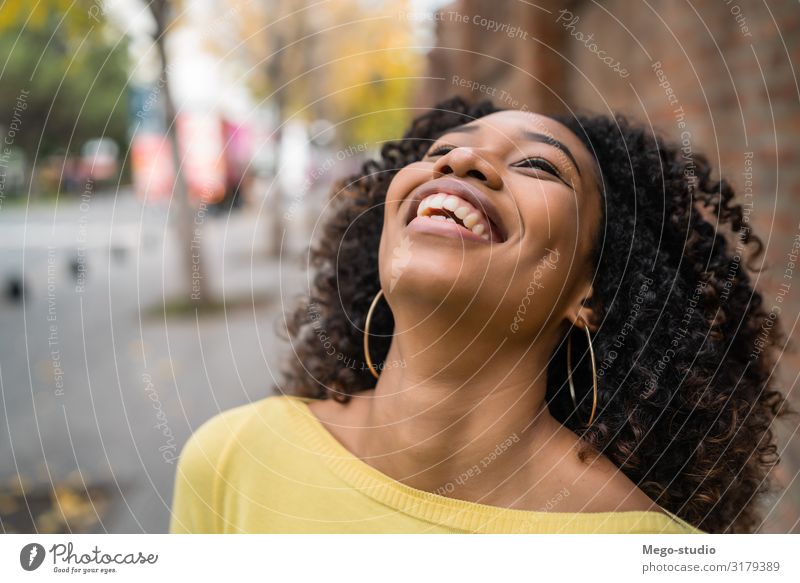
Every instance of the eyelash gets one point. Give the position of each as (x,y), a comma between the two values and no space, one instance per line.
(537,163)
(440,150)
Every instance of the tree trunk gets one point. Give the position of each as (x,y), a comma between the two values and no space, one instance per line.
(189,229)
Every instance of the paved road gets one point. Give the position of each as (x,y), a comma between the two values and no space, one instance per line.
(96,385)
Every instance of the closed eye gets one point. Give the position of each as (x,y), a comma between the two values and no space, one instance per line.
(439,150)
(538,163)
(542,164)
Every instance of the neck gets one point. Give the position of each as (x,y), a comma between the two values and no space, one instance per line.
(453,399)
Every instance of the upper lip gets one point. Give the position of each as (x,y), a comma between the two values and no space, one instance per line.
(463,190)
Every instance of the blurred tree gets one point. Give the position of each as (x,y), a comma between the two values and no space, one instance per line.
(348,61)
(371,70)
(74,16)
(164,13)
(336,60)
(70,72)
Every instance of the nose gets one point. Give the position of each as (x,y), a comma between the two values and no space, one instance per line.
(464,162)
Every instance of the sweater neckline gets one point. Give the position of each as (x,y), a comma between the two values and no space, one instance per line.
(453,513)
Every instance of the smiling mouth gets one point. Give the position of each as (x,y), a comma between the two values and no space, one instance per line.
(447,208)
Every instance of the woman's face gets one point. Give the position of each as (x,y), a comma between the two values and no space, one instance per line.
(495,224)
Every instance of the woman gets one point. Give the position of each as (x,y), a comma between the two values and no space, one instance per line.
(518,324)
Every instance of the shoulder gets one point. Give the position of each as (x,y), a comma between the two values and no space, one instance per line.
(219,435)
(620,492)
(201,465)
(608,489)
(599,485)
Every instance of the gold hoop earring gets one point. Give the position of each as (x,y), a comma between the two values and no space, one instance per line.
(372,368)
(594,372)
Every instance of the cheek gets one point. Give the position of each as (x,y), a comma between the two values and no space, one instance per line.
(550,218)
(406,180)
(535,299)
(401,185)
(546,261)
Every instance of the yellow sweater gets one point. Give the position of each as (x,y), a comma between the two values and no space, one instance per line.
(272,467)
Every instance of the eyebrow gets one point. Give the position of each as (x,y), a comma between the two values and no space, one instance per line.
(528,135)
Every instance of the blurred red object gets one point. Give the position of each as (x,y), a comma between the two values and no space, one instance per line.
(202,155)
(152,169)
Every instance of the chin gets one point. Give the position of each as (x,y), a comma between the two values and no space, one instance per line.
(434,277)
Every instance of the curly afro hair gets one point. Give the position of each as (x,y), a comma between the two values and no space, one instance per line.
(685,350)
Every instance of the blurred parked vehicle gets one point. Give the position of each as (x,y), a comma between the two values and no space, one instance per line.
(100,159)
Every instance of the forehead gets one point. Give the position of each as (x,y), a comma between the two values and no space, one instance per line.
(513,124)
(518,127)
(514,121)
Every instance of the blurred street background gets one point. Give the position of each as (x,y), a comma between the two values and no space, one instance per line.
(165,164)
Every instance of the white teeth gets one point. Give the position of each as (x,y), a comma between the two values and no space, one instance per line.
(451,203)
(468,215)
(471,220)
